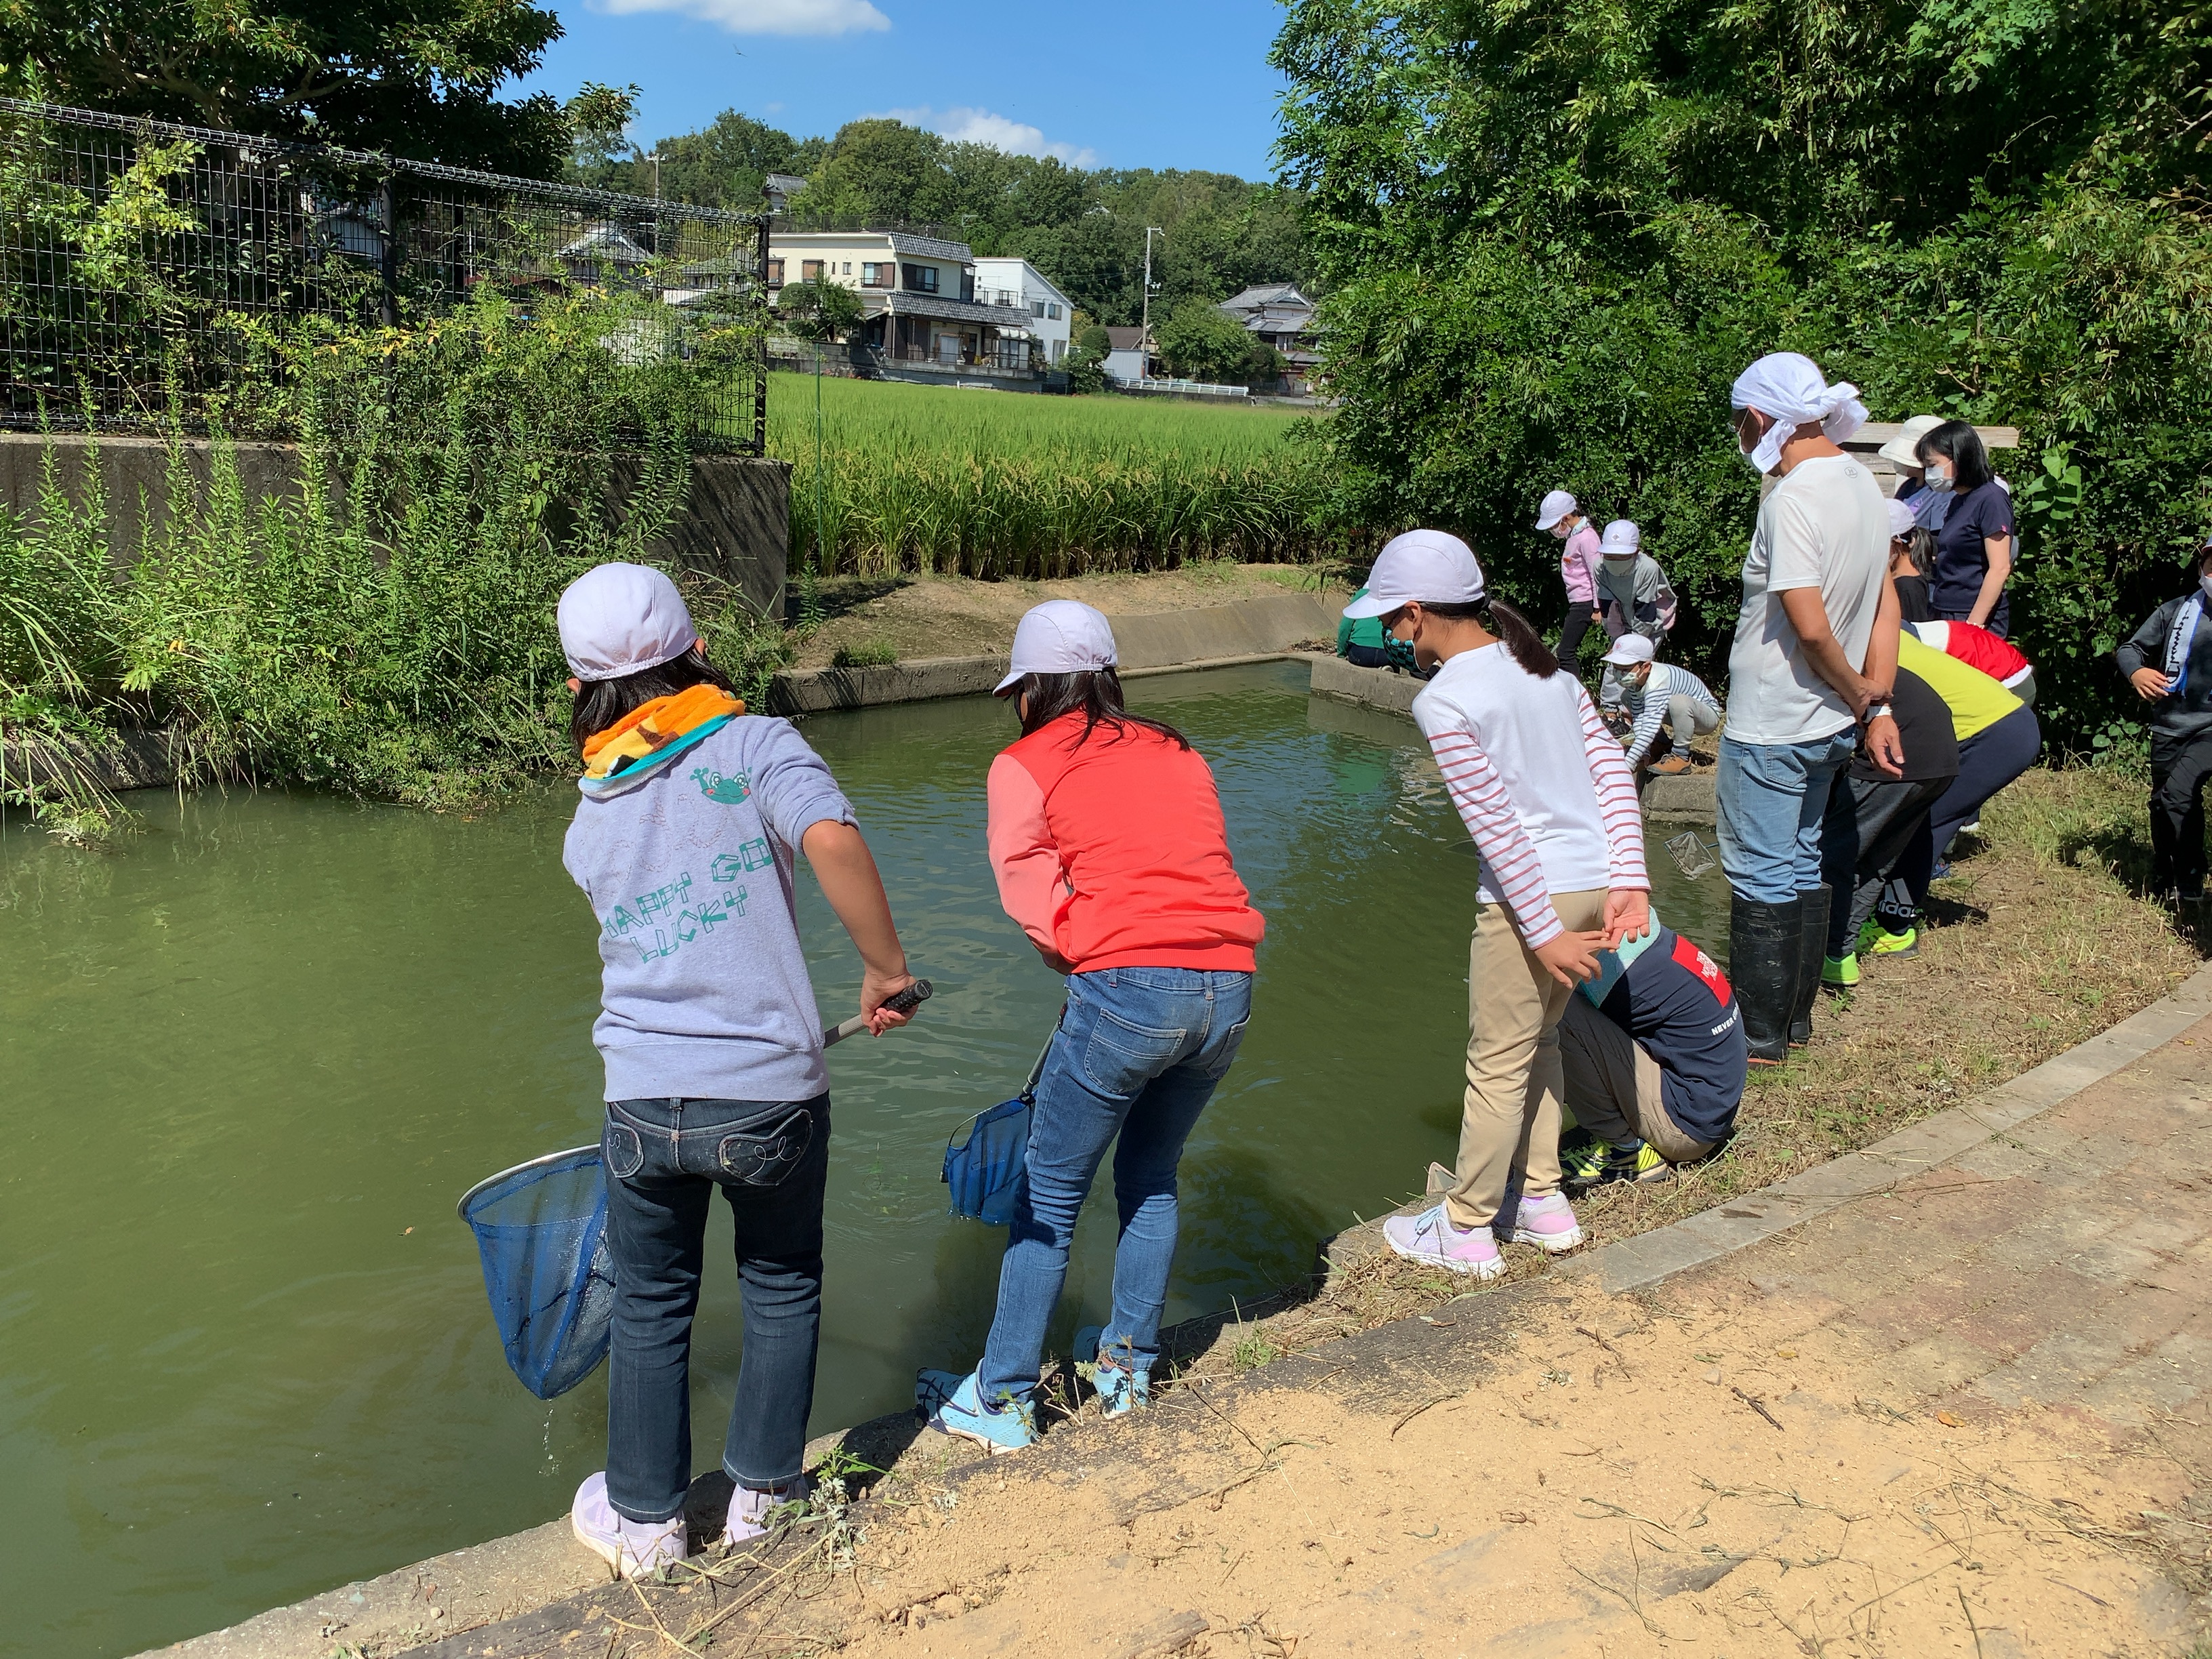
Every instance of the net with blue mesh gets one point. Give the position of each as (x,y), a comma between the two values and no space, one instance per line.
(541,1229)
(985,1170)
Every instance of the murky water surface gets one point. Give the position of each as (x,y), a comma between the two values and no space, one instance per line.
(251,1057)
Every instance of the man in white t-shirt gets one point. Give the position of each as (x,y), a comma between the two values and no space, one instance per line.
(1814,656)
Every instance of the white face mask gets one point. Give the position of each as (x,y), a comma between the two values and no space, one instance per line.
(1939,474)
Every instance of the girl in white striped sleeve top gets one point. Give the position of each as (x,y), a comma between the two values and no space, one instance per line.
(1552,806)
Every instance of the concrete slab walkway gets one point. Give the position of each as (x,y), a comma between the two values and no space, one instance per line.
(1945,1395)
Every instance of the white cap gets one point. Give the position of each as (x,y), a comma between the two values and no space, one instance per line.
(1621,539)
(1904,448)
(1425,567)
(1900,519)
(1060,636)
(618,619)
(1630,648)
(1557,505)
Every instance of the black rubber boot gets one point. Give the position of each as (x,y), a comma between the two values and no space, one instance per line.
(1813,923)
(1765,945)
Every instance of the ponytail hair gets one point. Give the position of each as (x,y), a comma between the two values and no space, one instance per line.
(1516,631)
(1920,548)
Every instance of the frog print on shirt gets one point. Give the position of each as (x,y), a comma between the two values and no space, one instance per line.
(717,787)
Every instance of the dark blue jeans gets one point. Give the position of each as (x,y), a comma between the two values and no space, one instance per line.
(1138,1054)
(664,1160)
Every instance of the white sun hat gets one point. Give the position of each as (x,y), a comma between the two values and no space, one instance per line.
(1060,636)
(1903,449)
(1557,505)
(1900,518)
(618,619)
(1621,539)
(1630,649)
(1424,567)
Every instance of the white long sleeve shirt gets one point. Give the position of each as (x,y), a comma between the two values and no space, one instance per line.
(1539,781)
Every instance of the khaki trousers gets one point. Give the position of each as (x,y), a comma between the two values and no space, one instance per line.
(1510,1120)
(1612,1085)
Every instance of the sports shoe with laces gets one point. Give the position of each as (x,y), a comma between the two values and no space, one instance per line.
(1582,1158)
(635,1549)
(1876,941)
(954,1405)
(1548,1222)
(1122,1387)
(1671,766)
(1640,1163)
(753,1513)
(1840,972)
(1430,1239)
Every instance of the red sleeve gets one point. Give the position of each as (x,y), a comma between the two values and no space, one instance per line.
(1032,881)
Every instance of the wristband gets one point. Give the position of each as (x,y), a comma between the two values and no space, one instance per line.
(1877,711)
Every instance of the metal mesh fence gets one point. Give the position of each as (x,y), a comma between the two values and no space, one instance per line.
(131,252)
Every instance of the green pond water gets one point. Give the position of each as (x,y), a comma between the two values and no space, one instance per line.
(254,1056)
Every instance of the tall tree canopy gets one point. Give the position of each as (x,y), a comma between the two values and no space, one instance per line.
(417,78)
(1554,235)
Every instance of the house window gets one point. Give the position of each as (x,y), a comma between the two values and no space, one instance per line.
(775,273)
(921,279)
(878,275)
(1053,310)
(810,270)
(1037,308)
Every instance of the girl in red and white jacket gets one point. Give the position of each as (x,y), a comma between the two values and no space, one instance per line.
(1107,838)
(1543,788)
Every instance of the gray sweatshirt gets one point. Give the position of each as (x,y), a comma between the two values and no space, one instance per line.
(705,994)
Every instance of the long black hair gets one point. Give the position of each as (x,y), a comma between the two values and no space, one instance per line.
(1518,633)
(1093,693)
(1957,442)
(602,703)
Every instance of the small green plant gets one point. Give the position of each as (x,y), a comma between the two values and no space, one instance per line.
(875,653)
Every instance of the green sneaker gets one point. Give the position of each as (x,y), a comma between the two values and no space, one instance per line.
(1876,941)
(1582,1158)
(1840,972)
(1644,1165)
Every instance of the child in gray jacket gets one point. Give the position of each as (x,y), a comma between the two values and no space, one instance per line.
(1633,597)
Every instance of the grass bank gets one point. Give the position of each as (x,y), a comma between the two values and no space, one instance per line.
(929,479)
(2039,939)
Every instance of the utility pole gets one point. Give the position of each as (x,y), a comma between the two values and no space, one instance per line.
(1144,341)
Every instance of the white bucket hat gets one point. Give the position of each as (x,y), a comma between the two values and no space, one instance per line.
(1557,505)
(1060,636)
(1903,450)
(618,619)
(1423,567)
(1622,540)
(1630,649)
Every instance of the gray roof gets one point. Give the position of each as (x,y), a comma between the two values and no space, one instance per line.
(1276,296)
(904,302)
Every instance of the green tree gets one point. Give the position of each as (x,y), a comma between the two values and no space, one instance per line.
(1552,238)
(419,78)
(819,309)
(878,170)
(600,149)
(724,164)
(1201,342)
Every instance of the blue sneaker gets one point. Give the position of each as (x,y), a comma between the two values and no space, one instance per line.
(1122,1388)
(954,1405)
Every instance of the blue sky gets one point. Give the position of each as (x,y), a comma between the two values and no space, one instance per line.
(1039,78)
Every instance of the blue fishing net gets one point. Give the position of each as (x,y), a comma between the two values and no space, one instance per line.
(541,1229)
(985,1170)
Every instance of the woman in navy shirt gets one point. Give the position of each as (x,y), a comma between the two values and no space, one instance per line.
(1974,548)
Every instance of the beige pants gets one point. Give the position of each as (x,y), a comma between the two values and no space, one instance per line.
(1510,1117)
(1612,1085)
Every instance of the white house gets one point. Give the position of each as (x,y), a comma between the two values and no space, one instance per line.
(1018,282)
(923,317)
(1127,361)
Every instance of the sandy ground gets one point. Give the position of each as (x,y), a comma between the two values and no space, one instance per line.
(912,616)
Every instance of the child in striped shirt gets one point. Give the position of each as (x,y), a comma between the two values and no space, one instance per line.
(1551,803)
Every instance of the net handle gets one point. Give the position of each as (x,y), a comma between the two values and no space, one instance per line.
(534,1163)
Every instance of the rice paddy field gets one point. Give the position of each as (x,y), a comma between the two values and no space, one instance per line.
(998,485)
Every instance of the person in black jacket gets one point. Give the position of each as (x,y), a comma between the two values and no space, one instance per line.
(2169,662)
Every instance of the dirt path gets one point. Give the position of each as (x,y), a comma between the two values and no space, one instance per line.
(1961,1414)
(911,617)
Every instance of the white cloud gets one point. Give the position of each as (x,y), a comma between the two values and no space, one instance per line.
(981,126)
(768,16)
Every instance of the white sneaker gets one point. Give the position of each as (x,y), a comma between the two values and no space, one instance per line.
(635,1549)
(752,1513)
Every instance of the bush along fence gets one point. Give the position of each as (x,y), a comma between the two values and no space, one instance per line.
(458,367)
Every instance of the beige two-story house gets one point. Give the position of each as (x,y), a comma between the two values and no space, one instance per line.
(925,318)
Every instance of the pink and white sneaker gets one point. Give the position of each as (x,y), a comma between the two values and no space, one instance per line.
(753,1513)
(1429,1238)
(1549,1223)
(635,1549)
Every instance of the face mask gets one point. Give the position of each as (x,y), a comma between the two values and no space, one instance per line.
(2205,582)
(1938,476)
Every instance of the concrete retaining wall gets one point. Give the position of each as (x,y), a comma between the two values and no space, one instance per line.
(1249,630)
(734,525)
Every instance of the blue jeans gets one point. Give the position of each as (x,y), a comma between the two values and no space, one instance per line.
(1772,798)
(1138,1054)
(664,1160)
